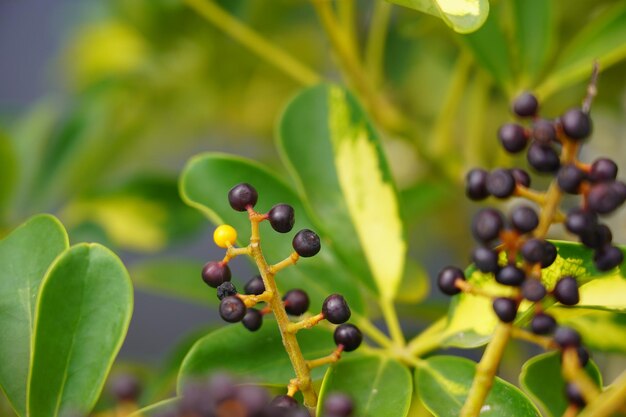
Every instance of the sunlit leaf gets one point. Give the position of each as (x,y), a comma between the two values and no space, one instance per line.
(328,142)
(464,16)
(601,330)
(379,386)
(541,378)
(25,255)
(82,315)
(443,383)
(158,409)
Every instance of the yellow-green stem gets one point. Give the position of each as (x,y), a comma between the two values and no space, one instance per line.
(254,41)
(372,331)
(428,340)
(346,11)
(610,401)
(486,371)
(290,342)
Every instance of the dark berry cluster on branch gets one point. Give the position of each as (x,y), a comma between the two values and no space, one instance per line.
(261,290)
(513,248)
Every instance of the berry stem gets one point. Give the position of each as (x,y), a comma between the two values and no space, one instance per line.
(521,334)
(573,372)
(305,323)
(290,260)
(468,288)
(486,371)
(252,40)
(609,401)
(290,341)
(251,300)
(332,358)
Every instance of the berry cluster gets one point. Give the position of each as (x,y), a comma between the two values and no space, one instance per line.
(514,248)
(220,396)
(261,289)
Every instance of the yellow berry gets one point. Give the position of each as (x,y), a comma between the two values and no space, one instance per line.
(225,236)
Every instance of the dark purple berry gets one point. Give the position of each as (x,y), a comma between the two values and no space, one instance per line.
(567,337)
(476,184)
(335,309)
(255,286)
(525,105)
(608,258)
(524,219)
(125,388)
(521,177)
(447,278)
(485,259)
(232,309)
(296,412)
(220,387)
(253,320)
(306,243)
(566,291)
(510,275)
(544,131)
(597,238)
(349,336)
(338,405)
(603,169)
(533,290)
(543,323)
(574,395)
(226,289)
(500,183)
(487,225)
(579,221)
(505,309)
(284,401)
(569,178)
(513,137)
(533,250)
(296,302)
(576,124)
(549,254)
(605,197)
(583,356)
(281,218)
(543,158)
(242,196)
(215,273)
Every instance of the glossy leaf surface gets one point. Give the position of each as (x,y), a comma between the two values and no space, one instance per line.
(25,255)
(378,386)
(82,316)
(443,383)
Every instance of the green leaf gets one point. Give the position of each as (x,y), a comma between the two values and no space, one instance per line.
(379,386)
(83,312)
(443,383)
(173,278)
(534,35)
(158,409)
(329,144)
(229,349)
(464,16)
(602,39)
(490,48)
(601,330)
(205,183)
(25,255)
(541,378)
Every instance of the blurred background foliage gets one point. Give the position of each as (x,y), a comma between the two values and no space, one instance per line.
(140,86)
